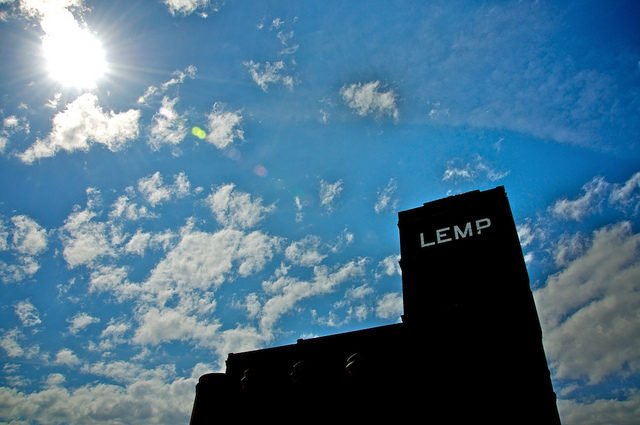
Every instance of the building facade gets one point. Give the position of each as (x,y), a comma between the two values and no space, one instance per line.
(469,347)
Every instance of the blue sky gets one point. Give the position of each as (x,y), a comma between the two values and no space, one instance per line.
(182,179)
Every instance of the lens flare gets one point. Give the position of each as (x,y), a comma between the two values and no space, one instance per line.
(260,170)
(198,132)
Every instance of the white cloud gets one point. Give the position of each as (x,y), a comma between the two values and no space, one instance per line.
(203,259)
(55,379)
(156,192)
(286,291)
(122,207)
(114,334)
(568,248)
(223,127)
(178,78)
(299,207)
(236,209)
(28,240)
(81,124)
(472,170)
(166,324)
(389,306)
(187,7)
(19,269)
(252,304)
(81,321)
(627,195)
(616,410)
(370,99)
(598,193)
(109,278)
(595,192)
(84,240)
(10,126)
(201,262)
(305,252)
(389,266)
(526,233)
(153,397)
(329,192)
(236,340)
(588,310)
(384,200)
(269,73)
(9,342)
(27,313)
(28,237)
(138,243)
(66,357)
(169,127)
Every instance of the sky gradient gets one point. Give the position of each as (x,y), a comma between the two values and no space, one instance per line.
(182,179)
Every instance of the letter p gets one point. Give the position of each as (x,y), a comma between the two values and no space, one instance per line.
(483,223)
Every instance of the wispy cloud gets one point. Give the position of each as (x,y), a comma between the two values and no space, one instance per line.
(596,194)
(178,77)
(286,291)
(329,192)
(385,200)
(264,74)
(478,168)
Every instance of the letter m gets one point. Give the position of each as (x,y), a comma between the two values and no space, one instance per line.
(460,234)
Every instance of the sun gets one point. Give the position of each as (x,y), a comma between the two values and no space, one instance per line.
(74,57)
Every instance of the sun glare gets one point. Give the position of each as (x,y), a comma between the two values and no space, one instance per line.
(74,57)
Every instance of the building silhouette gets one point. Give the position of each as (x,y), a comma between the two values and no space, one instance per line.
(468,350)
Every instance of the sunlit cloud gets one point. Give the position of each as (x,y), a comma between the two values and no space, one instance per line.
(168,127)
(178,77)
(80,125)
